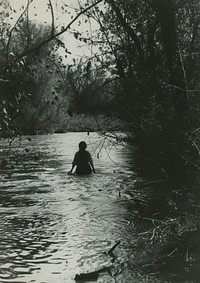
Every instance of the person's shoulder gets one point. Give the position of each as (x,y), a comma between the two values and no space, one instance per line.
(88,153)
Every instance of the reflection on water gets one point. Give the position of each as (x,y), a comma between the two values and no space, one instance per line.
(54,225)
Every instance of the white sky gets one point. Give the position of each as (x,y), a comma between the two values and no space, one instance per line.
(39,11)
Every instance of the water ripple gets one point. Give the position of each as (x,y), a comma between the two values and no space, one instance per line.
(53,225)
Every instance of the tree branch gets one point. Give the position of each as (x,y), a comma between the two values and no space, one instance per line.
(127,28)
(57,34)
(11,31)
(52,18)
(184,76)
(28,28)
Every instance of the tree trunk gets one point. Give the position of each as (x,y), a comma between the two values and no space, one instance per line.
(166,13)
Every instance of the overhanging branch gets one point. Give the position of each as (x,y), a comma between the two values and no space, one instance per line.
(11,31)
(127,28)
(53,36)
(52,18)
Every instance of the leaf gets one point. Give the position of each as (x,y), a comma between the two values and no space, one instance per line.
(70,113)
(5,111)
(76,35)
(88,66)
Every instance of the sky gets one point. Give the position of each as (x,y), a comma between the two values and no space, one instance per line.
(63,12)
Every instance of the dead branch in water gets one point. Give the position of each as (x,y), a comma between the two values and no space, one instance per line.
(110,252)
(95,274)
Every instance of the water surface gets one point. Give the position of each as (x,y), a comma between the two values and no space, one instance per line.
(54,225)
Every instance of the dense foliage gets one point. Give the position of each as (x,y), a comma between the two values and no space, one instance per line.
(152,47)
(142,73)
(35,83)
(143,69)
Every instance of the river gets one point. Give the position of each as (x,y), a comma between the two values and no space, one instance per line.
(54,225)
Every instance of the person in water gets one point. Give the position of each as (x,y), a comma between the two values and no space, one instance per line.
(83,161)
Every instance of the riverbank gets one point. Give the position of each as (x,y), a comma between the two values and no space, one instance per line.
(95,123)
(169,241)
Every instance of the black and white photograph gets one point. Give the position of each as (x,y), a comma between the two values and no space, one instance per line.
(99,141)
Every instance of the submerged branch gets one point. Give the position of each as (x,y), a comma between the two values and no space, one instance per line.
(113,248)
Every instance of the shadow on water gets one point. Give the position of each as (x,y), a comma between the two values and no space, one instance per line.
(54,225)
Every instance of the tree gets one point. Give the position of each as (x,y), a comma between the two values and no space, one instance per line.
(149,50)
(15,57)
(152,57)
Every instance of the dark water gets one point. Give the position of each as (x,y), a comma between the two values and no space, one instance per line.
(54,225)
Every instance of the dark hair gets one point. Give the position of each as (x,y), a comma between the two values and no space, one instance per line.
(82,145)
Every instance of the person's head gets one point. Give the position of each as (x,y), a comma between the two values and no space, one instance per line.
(82,145)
